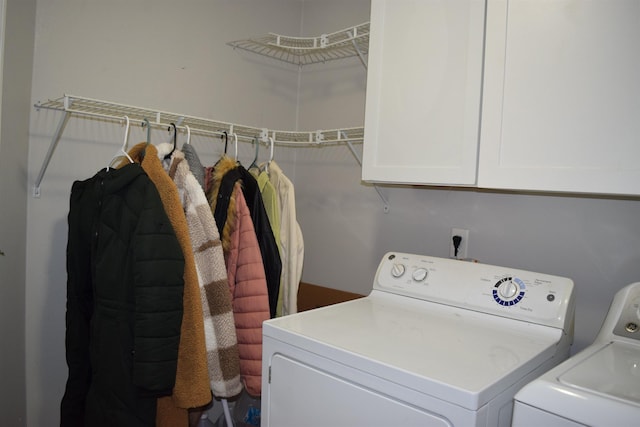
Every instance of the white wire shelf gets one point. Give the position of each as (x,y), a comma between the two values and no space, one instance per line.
(352,41)
(80,106)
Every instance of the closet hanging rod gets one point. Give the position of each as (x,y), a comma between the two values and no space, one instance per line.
(72,105)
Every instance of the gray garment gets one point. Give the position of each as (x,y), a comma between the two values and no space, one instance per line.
(194,163)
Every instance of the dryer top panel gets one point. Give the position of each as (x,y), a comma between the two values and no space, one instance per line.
(457,355)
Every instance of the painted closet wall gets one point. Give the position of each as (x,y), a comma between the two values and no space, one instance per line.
(17,55)
(159,54)
(171,56)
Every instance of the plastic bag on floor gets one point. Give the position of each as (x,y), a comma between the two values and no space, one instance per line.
(245,412)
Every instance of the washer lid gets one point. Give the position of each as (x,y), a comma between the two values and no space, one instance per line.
(461,356)
(599,387)
(614,371)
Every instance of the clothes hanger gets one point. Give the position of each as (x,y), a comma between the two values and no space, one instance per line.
(255,158)
(188,134)
(123,150)
(175,137)
(266,166)
(145,122)
(235,141)
(225,135)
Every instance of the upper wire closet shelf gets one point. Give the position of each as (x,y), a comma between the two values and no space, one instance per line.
(352,41)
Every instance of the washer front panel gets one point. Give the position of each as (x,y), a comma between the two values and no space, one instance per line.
(335,398)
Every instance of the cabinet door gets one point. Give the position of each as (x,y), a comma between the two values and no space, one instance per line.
(561,102)
(423,91)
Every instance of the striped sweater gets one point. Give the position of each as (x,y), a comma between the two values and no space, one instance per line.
(220,334)
(245,271)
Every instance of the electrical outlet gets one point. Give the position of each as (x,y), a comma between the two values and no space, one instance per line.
(464,243)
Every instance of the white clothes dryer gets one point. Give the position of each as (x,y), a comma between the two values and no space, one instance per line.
(437,342)
(600,386)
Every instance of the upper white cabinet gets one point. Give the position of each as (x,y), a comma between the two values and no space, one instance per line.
(423,91)
(560,85)
(561,96)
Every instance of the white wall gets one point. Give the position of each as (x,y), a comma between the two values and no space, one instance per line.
(17,55)
(171,56)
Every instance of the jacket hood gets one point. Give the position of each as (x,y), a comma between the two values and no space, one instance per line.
(224,165)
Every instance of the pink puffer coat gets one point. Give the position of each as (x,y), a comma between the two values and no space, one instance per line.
(250,298)
(245,272)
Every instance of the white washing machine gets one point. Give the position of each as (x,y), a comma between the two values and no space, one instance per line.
(437,342)
(600,386)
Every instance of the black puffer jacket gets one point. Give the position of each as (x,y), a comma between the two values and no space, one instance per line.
(268,247)
(124,301)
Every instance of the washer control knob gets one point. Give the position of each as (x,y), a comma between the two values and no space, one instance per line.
(397,270)
(508,289)
(420,274)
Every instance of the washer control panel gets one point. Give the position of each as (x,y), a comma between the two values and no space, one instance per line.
(517,294)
